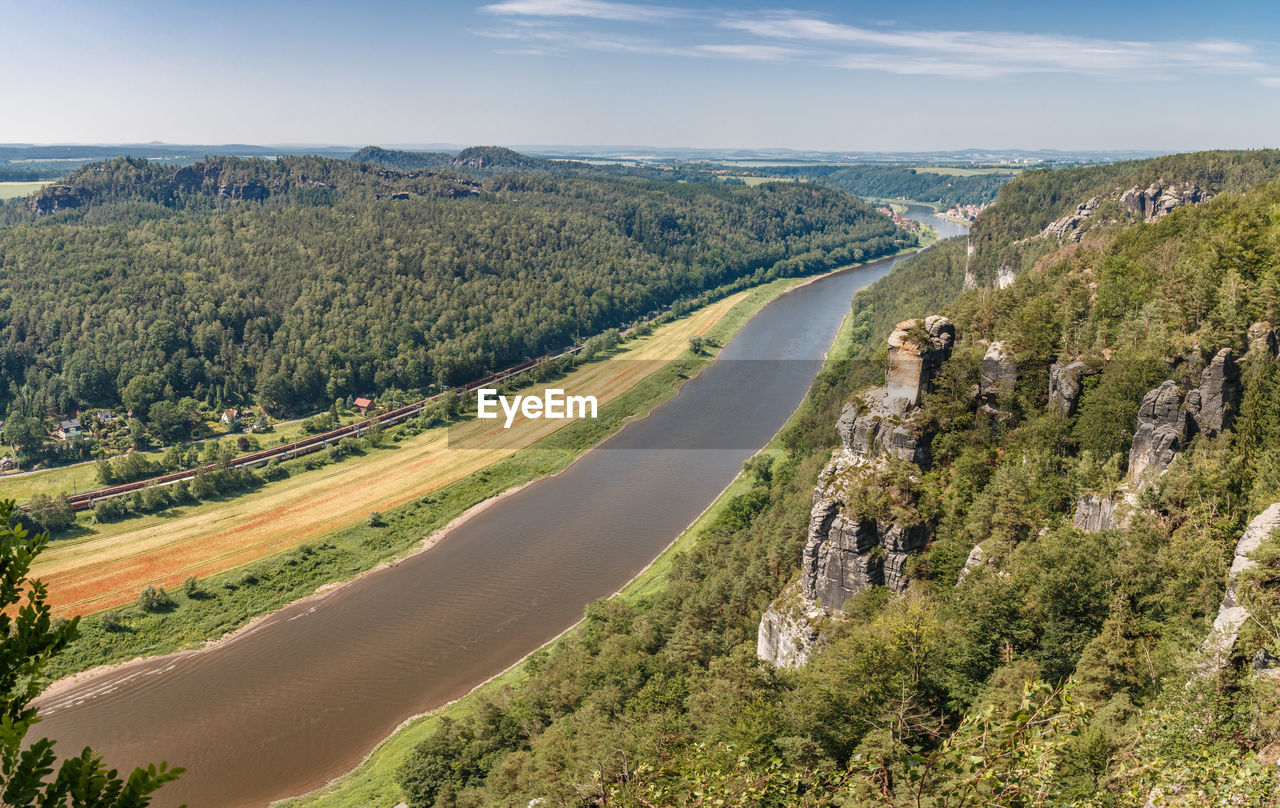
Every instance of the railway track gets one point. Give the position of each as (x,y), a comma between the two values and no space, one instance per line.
(288,451)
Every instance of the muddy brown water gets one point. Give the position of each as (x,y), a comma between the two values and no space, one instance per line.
(304,695)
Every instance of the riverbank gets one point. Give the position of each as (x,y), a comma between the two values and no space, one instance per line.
(225,602)
(373,783)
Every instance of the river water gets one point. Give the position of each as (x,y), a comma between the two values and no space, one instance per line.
(308,692)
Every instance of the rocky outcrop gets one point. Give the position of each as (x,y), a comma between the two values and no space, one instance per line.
(998,375)
(917,348)
(789,631)
(54,198)
(1157,200)
(977,557)
(1094,513)
(1262,337)
(1005,276)
(1212,405)
(874,427)
(847,550)
(1065,384)
(1162,432)
(846,555)
(1231,614)
(1071,226)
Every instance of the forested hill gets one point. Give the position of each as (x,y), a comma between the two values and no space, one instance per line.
(895,182)
(476,160)
(946,692)
(219,182)
(293,281)
(1005,233)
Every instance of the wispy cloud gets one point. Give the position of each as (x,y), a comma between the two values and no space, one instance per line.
(775,36)
(988,53)
(591,9)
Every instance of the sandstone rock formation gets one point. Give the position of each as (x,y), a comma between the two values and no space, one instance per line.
(998,375)
(1072,225)
(845,556)
(1231,615)
(1162,432)
(1158,200)
(875,427)
(1262,337)
(1005,276)
(846,552)
(1213,404)
(977,556)
(916,349)
(1095,513)
(54,198)
(788,631)
(1064,385)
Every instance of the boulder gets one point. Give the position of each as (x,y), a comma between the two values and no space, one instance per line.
(998,375)
(1161,433)
(1212,406)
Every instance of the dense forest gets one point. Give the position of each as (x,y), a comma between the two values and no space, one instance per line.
(295,281)
(900,182)
(1062,671)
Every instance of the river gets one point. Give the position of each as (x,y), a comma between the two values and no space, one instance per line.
(308,692)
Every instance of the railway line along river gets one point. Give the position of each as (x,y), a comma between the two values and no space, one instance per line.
(306,693)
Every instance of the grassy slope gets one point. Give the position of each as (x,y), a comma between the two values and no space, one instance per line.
(373,782)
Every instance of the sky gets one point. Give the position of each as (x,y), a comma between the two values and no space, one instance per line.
(856,76)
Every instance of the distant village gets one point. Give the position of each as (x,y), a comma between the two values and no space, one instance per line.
(899,219)
(966,212)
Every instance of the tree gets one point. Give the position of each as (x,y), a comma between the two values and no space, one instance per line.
(29,638)
(696,343)
(26,432)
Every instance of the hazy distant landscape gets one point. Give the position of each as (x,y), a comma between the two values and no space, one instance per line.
(587,403)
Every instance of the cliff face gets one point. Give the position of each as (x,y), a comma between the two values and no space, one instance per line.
(849,548)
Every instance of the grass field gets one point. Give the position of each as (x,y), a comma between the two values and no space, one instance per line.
(373,782)
(9,190)
(111,563)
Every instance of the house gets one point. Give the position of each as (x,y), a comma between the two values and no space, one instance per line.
(105,417)
(363,405)
(7,463)
(68,430)
(230,416)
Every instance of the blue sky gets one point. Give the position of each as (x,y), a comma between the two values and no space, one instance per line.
(819,75)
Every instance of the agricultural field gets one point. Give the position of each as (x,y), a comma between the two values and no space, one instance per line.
(10,190)
(109,564)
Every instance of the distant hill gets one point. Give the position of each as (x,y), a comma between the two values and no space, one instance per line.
(476,160)
(1004,235)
